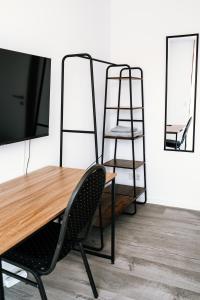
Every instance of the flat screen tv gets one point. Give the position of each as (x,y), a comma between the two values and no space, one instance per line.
(24,96)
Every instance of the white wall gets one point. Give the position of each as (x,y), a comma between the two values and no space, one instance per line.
(137,35)
(138,31)
(53,29)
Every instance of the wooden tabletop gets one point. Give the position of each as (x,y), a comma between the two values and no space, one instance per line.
(174,128)
(29,202)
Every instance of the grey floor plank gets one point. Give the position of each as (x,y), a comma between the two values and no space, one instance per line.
(158,258)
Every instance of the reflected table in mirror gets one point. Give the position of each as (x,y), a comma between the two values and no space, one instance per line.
(175,130)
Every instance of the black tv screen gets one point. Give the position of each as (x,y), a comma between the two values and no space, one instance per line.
(24,96)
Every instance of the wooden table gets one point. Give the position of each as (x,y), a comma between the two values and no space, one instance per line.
(27,203)
(174,129)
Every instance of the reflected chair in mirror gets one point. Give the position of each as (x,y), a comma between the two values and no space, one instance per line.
(39,253)
(175,144)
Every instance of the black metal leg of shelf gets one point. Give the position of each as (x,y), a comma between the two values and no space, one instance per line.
(101,227)
(132,213)
(117,123)
(113,224)
(94,109)
(132,140)
(143,130)
(101,234)
(145,192)
(145,199)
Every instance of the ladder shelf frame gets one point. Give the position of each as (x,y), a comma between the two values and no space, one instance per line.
(94,131)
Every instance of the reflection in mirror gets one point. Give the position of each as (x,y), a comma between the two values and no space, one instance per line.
(180,93)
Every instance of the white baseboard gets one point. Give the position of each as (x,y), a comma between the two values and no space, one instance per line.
(173,204)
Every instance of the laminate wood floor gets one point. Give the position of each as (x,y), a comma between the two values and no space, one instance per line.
(157,258)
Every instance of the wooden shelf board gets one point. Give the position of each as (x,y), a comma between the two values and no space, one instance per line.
(125,78)
(122,137)
(123,163)
(124,197)
(126,190)
(124,108)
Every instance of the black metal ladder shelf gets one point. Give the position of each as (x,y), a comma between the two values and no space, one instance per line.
(131,192)
(126,195)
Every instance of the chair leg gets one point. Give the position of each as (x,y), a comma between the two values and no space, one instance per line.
(87,267)
(41,287)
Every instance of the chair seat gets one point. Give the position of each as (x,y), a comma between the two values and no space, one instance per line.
(37,251)
(173,144)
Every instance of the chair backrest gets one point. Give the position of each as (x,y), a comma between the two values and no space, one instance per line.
(186,130)
(81,208)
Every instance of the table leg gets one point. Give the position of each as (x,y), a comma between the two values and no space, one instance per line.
(1,282)
(113,224)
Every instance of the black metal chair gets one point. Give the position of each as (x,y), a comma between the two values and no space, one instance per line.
(175,144)
(39,253)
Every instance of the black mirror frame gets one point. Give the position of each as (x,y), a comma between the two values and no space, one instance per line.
(195,92)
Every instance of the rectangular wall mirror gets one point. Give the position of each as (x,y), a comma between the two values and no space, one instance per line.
(180,93)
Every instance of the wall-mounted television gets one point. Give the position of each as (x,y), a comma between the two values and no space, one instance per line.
(24,96)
